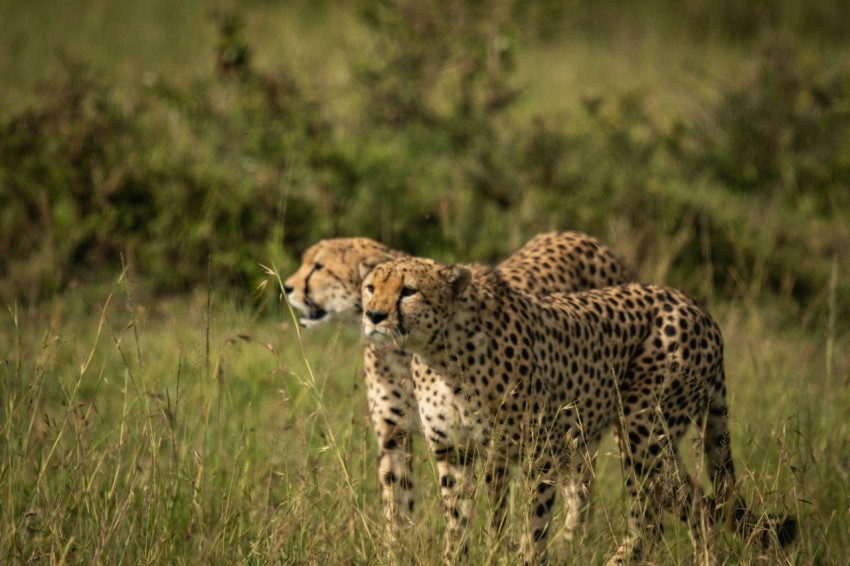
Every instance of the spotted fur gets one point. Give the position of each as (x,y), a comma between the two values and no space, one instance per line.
(538,380)
(326,286)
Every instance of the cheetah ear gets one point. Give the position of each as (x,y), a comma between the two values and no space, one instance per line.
(458,277)
(367,265)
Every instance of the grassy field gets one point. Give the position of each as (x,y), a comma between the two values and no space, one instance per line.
(192,429)
(170,412)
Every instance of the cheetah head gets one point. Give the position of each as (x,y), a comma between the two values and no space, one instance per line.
(408,300)
(327,283)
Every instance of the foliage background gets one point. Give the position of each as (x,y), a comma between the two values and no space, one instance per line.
(175,147)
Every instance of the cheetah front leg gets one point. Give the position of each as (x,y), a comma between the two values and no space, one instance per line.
(394,413)
(534,540)
(395,472)
(496,476)
(576,493)
(576,480)
(452,443)
(457,488)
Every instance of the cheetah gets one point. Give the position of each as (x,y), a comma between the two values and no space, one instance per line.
(539,379)
(326,286)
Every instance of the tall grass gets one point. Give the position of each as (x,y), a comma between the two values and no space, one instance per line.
(126,439)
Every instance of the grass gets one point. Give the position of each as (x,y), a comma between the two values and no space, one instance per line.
(196,429)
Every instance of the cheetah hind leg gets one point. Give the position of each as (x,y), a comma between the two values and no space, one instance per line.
(685,498)
(643,482)
(645,530)
(665,485)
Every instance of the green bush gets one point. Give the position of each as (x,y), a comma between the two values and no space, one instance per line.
(69,183)
(181,180)
(783,129)
(211,177)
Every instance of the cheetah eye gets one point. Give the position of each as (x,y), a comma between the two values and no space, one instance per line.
(317,266)
(408,291)
(370,289)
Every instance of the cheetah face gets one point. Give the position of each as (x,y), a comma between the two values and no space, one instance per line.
(408,300)
(327,283)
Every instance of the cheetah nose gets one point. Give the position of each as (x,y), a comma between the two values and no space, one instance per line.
(376,316)
(288,288)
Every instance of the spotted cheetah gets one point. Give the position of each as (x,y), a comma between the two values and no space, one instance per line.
(327,286)
(539,380)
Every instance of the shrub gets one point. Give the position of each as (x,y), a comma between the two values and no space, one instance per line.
(249,165)
(784,129)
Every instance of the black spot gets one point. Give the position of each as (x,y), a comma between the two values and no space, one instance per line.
(540,534)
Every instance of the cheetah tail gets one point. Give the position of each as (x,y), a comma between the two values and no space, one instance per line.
(765,529)
(729,508)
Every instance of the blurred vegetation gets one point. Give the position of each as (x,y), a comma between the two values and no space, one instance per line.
(201,176)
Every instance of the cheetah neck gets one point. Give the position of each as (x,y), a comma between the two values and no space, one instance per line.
(457,347)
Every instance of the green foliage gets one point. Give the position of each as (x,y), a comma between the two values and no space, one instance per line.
(170,178)
(209,177)
(437,82)
(443,64)
(67,182)
(779,140)
(748,20)
(784,129)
